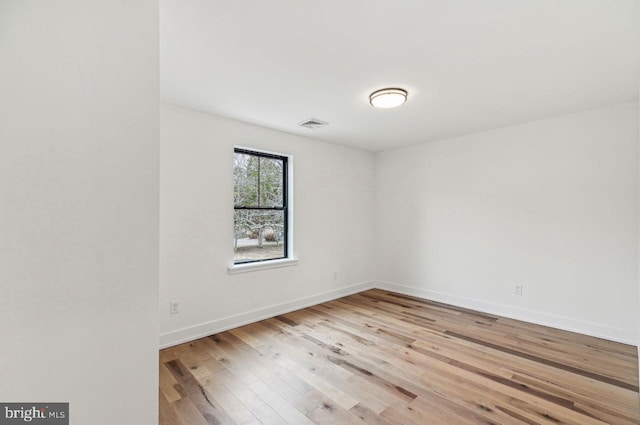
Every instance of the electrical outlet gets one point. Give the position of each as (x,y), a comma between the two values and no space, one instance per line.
(174,307)
(335,275)
(517,289)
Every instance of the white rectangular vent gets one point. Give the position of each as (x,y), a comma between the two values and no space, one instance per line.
(313,123)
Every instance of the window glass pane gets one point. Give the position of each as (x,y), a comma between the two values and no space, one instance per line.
(271,182)
(260,210)
(245,175)
(259,235)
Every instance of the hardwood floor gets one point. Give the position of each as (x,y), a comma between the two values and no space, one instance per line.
(383,358)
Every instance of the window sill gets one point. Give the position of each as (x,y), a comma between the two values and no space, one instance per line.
(263,265)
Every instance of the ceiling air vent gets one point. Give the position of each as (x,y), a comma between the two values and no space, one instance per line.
(313,123)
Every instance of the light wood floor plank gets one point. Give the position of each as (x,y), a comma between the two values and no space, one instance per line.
(382,358)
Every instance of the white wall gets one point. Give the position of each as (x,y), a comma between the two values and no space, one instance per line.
(333,225)
(552,205)
(79,210)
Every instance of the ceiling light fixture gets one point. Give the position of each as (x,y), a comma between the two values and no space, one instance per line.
(388,98)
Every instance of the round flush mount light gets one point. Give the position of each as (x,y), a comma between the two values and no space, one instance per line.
(388,98)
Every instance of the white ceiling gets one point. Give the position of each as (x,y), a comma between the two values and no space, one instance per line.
(468,65)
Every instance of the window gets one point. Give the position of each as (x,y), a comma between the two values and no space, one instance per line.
(260,207)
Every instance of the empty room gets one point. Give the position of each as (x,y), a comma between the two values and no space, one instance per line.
(338,212)
(469,256)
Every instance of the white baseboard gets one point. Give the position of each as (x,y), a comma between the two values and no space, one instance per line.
(623,335)
(626,336)
(220,325)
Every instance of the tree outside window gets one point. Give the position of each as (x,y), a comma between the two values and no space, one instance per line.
(260,206)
